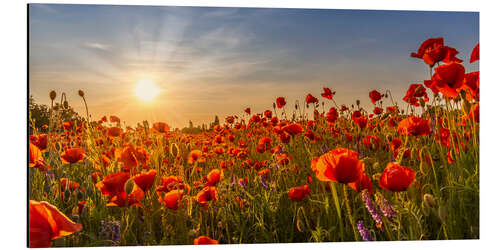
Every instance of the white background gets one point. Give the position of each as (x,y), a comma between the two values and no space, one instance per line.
(13,78)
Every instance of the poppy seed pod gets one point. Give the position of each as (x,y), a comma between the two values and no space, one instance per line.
(429,200)
(129,186)
(67,193)
(65,104)
(52,95)
(81,93)
(79,195)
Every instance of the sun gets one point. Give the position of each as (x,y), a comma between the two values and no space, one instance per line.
(146,90)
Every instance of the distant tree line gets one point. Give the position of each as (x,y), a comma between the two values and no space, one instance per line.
(191,129)
(39,114)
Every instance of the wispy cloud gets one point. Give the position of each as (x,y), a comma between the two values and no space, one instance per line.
(98,46)
(45,8)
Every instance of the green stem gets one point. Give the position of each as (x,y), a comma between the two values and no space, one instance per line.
(349,212)
(337,207)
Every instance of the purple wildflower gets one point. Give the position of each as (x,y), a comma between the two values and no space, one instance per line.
(263,181)
(242,182)
(49,176)
(110,230)
(233,181)
(365,234)
(324,149)
(384,205)
(371,208)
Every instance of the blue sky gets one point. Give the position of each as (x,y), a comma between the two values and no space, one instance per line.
(210,61)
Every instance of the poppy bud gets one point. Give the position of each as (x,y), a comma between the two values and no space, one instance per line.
(79,195)
(429,200)
(129,186)
(67,193)
(81,93)
(358,102)
(52,95)
(422,102)
(274,105)
(74,211)
(65,104)
(463,95)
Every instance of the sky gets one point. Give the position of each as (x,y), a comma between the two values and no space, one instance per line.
(211,61)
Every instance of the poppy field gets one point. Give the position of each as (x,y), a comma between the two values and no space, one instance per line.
(311,170)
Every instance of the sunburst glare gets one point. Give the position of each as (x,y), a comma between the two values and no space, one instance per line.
(146,90)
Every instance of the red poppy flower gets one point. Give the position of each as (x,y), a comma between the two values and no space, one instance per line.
(47,223)
(361,121)
(414,92)
(293,129)
(266,142)
(327,93)
(311,99)
(378,110)
(396,178)
(194,156)
(41,141)
(214,177)
(414,126)
(172,183)
(113,118)
(444,137)
(171,199)
(145,180)
(95,175)
(36,158)
(113,186)
(428,45)
(268,114)
(299,193)
(310,134)
(160,127)
(433,50)
(471,85)
(67,125)
(332,115)
(392,109)
(204,240)
(474,56)
(127,156)
(372,142)
(265,173)
(81,205)
(67,184)
(339,165)
(114,131)
(72,155)
(247,110)
(444,54)
(207,194)
(230,119)
(363,183)
(375,96)
(448,79)
(280,102)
